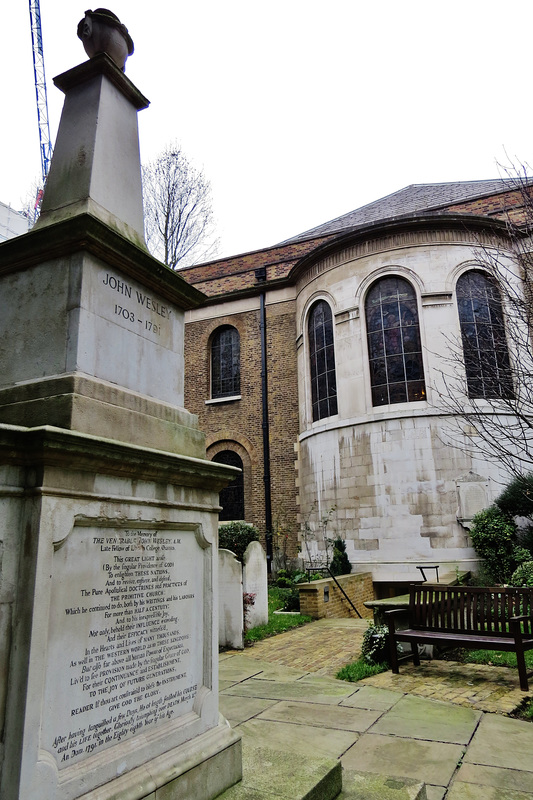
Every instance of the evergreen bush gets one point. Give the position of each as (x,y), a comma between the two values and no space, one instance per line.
(340,563)
(494,536)
(516,500)
(523,575)
(236,536)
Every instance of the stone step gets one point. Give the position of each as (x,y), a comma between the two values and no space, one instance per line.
(368,786)
(269,774)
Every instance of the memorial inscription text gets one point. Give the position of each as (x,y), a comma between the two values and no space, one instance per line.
(123,638)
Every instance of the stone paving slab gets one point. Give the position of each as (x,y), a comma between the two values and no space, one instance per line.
(495,777)
(365,786)
(270,774)
(239,709)
(371,698)
(238,663)
(418,718)
(503,742)
(302,740)
(431,762)
(334,717)
(468,791)
(297,690)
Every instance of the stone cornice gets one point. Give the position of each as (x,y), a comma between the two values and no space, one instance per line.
(102,65)
(87,233)
(47,446)
(397,234)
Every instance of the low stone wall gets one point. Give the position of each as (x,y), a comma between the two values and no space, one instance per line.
(323,599)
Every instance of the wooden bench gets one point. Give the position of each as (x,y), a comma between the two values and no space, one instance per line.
(466,616)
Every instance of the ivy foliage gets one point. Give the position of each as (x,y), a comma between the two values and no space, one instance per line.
(236,536)
(375,645)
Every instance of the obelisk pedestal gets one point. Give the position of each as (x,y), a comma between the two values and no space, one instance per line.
(108,530)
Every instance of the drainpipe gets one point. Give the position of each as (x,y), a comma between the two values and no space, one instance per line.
(261,276)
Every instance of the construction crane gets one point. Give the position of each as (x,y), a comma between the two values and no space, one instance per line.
(40,93)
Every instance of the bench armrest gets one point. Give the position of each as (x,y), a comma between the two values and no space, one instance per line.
(390,615)
(521,618)
(514,626)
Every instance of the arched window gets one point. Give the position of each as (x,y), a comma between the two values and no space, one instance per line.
(225,362)
(394,346)
(322,361)
(232,497)
(488,372)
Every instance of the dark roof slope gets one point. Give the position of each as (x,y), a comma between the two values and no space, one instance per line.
(414,199)
(492,199)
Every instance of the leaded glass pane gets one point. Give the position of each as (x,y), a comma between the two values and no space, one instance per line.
(394,345)
(322,361)
(486,357)
(225,363)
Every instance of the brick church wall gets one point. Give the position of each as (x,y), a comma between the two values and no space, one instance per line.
(237,424)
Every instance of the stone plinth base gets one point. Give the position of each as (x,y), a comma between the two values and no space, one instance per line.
(201,769)
(109,621)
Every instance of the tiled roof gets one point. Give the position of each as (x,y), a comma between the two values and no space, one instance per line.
(496,199)
(414,199)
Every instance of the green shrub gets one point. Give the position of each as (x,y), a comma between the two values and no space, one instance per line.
(523,575)
(516,500)
(340,563)
(236,536)
(494,536)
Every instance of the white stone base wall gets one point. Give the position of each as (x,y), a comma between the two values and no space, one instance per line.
(393,486)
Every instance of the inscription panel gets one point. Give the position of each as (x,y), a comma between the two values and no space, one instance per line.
(130,305)
(125,637)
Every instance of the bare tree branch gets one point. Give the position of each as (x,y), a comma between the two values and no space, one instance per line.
(499,427)
(179,223)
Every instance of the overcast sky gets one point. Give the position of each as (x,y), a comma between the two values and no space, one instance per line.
(298,111)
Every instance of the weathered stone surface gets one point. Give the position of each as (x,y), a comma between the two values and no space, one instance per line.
(231,612)
(254,580)
(111,665)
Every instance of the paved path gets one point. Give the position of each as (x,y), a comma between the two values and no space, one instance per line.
(323,647)
(279,692)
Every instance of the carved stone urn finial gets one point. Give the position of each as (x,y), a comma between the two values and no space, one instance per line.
(102,32)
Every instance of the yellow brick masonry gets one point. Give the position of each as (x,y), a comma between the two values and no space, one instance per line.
(324,600)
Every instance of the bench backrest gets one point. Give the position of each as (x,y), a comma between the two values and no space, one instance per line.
(468,609)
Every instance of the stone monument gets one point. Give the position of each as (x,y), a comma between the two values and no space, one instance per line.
(108,531)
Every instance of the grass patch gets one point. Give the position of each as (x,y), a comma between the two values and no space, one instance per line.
(495,658)
(277,623)
(358,670)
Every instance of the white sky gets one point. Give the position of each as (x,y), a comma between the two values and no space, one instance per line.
(297,110)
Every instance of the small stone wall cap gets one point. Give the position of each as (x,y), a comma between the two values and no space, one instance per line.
(101,31)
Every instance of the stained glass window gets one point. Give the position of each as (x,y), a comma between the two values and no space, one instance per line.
(232,497)
(225,363)
(488,372)
(322,361)
(394,345)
